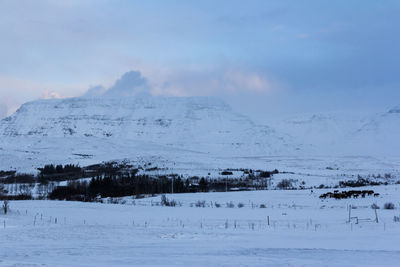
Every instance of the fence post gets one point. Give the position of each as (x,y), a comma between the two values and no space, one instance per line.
(349,213)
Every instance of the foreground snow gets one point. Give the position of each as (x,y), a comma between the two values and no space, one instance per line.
(303,230)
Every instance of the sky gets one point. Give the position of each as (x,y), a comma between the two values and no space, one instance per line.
(263,57)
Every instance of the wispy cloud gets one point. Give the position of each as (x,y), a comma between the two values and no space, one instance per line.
(217,82)
(50,95)
(187,83)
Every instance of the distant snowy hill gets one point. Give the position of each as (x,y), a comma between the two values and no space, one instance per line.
(381,134)
(345,133)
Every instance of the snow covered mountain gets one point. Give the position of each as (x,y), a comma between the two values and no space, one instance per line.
(127,122)
(105,128)
(192,123)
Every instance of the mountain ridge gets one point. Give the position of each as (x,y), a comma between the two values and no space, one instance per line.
(126,122)
(92,126)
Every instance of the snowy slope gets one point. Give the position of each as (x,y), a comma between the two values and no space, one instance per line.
(175,121)
(381,133)
(106,128)
(324,131)
(346,133)
(192,131)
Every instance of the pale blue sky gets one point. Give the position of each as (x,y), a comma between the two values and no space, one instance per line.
(294,55)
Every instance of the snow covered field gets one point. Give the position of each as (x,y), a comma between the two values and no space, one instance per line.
(303,230)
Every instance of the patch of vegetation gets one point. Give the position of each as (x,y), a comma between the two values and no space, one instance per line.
(21,178)
(116,179)
(358,183)
(6,173)
(389,206)
(166,202)
(348,194)
(16,197)
(265,174)
(230,205)
(200,204)
(285,184)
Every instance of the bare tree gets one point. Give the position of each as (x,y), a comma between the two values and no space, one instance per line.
(5,206)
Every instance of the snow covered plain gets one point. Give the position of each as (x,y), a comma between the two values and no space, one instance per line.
(303,230)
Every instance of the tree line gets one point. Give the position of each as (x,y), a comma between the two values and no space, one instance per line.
(139,185)
(116,179)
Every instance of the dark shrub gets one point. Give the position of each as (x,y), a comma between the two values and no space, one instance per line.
(284,184)
(230,205)
(200,204)
(65,192)
(388,206)
(265,174)
(166,202)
